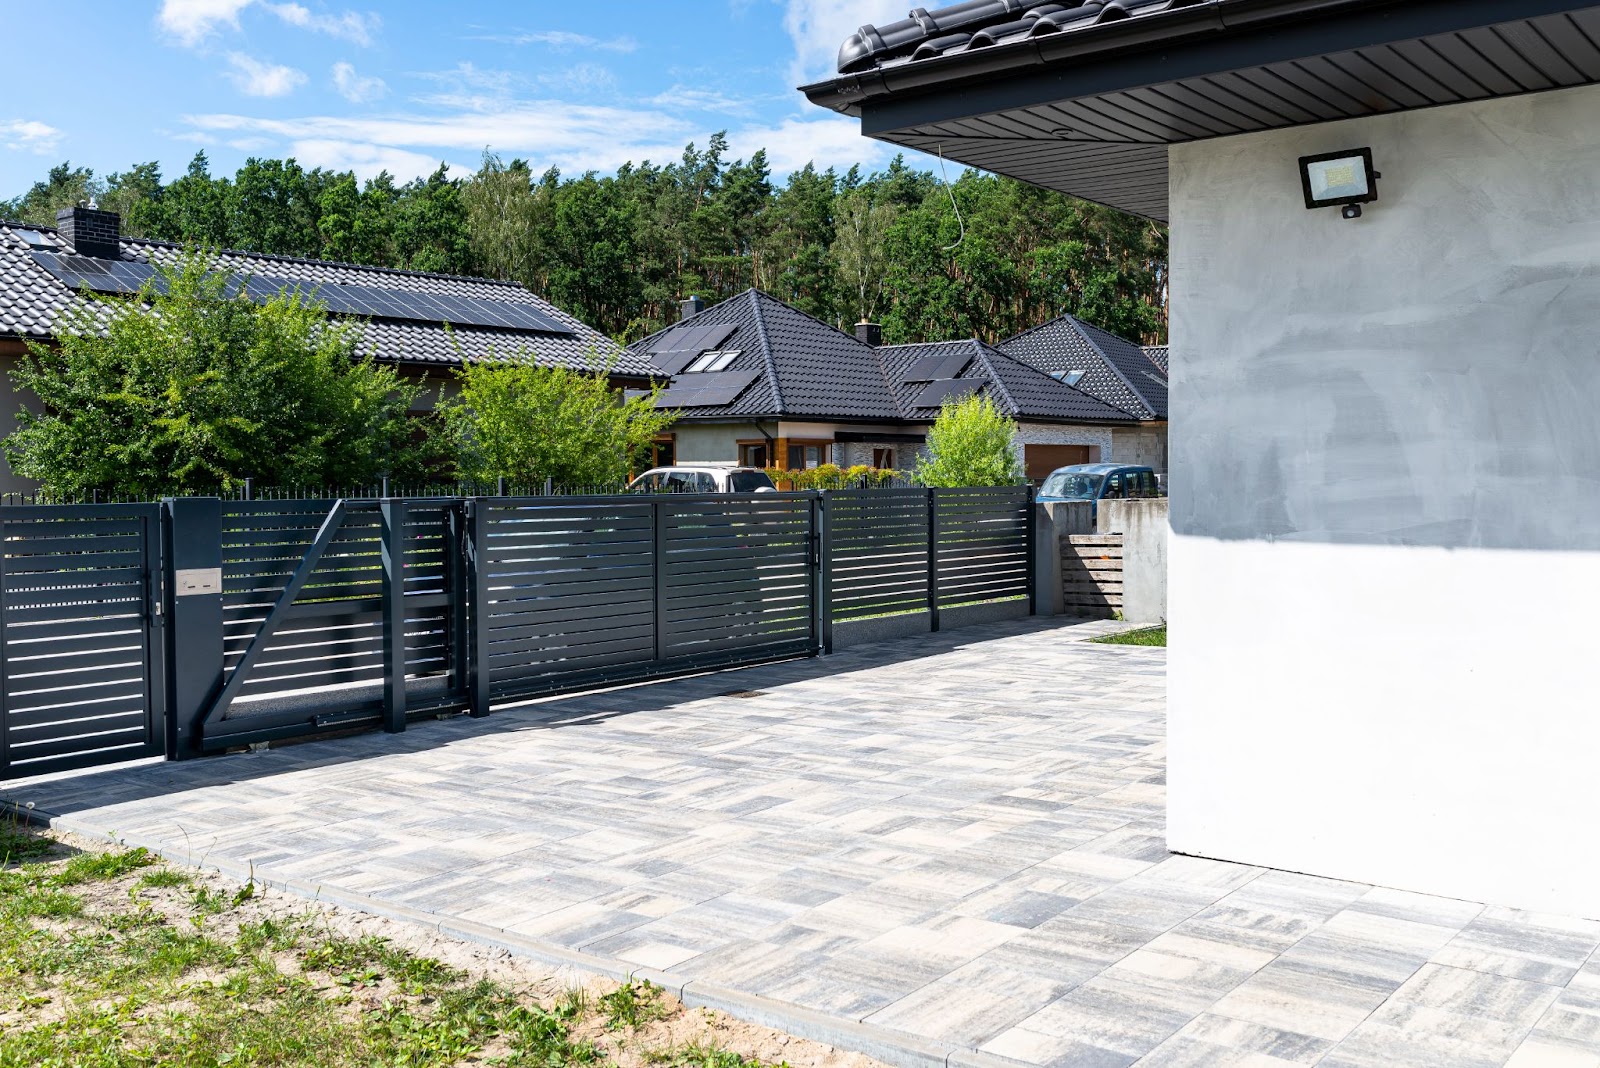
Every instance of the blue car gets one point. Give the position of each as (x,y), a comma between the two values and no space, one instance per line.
(1098,482)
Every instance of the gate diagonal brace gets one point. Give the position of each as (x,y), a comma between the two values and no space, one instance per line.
(269,626)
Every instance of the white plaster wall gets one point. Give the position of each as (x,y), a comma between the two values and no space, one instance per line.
(1386,505)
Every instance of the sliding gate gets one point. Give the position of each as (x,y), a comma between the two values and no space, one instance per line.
(569,591)
(79,636)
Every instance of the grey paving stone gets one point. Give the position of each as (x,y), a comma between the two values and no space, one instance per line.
(959,839)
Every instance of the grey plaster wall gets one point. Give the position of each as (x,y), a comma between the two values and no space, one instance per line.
(1386,505)
(712,442)
(1143,526)
(1428,374)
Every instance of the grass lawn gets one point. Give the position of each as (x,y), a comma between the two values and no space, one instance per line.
(1147,636)
(114,959)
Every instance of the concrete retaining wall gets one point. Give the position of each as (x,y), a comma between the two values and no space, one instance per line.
(1144,529)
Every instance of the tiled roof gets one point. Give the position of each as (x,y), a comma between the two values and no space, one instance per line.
(1158,356)
(31,299)
(979,24)
(1020,391)
(805,369)
(1115,369)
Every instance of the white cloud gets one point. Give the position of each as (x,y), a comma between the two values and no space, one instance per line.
(192,21)
(26,135)
(255,78)
(819,27)
(353,87)
(368,160)
(828,142)
(350,25)
(574,137)
(562,41)
(691,99)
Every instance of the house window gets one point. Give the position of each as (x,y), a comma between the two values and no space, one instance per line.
(753,454)
(1070,378)
(804,457)
(883,459)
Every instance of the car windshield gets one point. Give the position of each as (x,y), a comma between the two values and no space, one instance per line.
(1072,485)
(749,481)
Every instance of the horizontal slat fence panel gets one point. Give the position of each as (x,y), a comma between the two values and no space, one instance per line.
(737,574)
(877,552)
(983,545)
(568,590)
(1091,575)
(79,669)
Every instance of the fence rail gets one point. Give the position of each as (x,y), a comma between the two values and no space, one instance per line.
(207,624)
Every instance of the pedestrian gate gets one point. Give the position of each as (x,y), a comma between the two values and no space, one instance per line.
(80,636)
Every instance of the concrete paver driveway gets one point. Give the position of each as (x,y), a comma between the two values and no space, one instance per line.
(942,850)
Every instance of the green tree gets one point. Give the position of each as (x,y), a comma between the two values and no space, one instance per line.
(972,443)
(863,223)
(515,420)
(182,389)
(63,187)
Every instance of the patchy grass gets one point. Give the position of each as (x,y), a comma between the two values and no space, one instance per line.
(1147,636)
(110,959)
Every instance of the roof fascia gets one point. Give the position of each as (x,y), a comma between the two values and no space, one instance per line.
(1211,39)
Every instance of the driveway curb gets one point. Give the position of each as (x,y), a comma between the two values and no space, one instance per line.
(884,1044)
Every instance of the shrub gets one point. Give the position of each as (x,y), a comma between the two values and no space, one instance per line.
(516,420)
(186,389)
(972,443)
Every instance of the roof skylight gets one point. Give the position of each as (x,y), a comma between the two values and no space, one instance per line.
(1070,378)
(35,238)
(715,360)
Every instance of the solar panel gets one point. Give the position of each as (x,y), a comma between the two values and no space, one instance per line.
(121,276)
(678,347)
(940,365)
(97,276)
(707,390)
(936,393)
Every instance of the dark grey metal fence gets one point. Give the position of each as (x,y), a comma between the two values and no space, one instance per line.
(80,636)
(887,552)
(201,624)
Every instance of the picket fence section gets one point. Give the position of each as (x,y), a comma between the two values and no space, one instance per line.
(199,625)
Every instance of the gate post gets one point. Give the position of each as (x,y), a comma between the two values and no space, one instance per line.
(394,614)
(459,585)
(478,608)
(822,532)
(658,557)
(933,558)
(1031,514)
(193,593)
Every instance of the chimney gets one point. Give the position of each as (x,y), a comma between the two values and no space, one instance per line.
(690,308)
(869,333)
(91,232)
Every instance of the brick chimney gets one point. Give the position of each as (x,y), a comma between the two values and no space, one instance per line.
(869,333)
(91,232)
(689,308)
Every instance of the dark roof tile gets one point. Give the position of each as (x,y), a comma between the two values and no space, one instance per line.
(31,299)
(1115,369)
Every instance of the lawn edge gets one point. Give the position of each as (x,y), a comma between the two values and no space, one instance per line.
(884,1044)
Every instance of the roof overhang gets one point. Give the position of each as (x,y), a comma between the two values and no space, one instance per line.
(1091,112)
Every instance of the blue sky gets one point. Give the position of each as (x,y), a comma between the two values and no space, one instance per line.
(403,85)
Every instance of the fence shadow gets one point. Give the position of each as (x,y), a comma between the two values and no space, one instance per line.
(66,794)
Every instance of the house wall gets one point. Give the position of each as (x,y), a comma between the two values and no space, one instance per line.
(1051,434)
(713,442)
(1144,445)
(12,401)
(1386,505)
